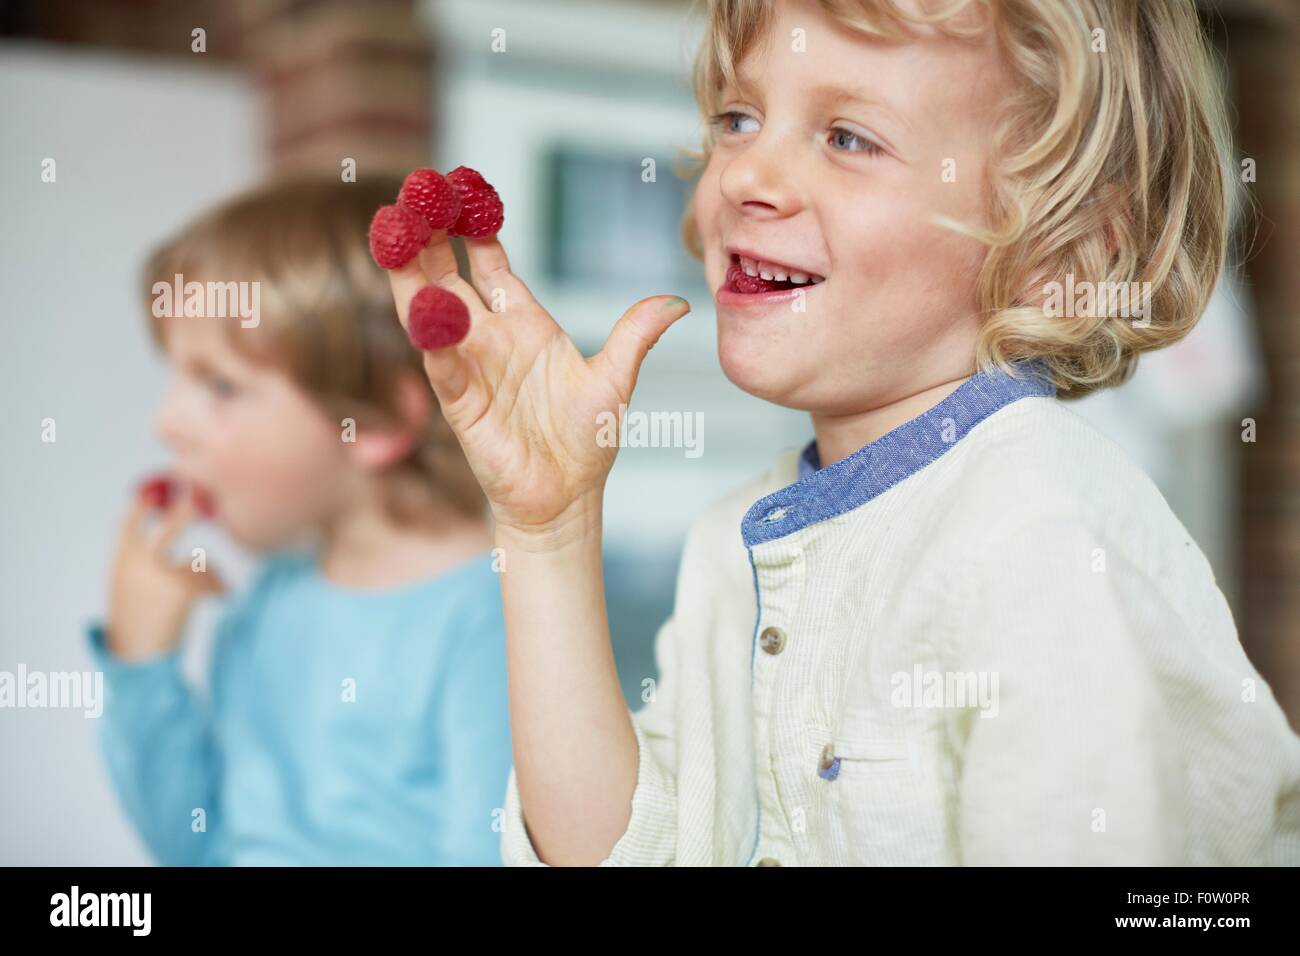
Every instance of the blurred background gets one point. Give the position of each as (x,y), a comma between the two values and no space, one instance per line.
(154,109)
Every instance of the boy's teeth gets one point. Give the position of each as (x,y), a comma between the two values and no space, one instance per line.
(759,269)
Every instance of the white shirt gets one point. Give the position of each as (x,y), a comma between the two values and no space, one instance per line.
(983,638)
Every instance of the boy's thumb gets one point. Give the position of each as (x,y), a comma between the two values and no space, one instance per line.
(637,332)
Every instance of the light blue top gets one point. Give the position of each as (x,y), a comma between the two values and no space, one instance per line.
(346,727)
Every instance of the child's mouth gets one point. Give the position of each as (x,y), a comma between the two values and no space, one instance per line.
(746,276)
(161,489)
(205,502)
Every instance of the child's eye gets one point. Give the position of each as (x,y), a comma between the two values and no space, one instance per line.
(839,135)
(724,120)
(221,387)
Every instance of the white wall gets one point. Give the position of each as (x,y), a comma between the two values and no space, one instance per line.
(139,148)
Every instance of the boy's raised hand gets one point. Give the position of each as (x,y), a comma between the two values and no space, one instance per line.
(150,592)
(524,402)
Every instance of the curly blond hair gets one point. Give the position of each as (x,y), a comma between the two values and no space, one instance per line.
(1112,163)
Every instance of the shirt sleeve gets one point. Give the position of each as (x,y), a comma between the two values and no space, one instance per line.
(162,760)
(651,835)
(1071,763)
(474,715)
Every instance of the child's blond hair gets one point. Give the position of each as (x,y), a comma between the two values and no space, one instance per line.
(326,316)
(1110,167)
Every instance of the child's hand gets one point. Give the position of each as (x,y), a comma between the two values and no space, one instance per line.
(151,593)
(522,399)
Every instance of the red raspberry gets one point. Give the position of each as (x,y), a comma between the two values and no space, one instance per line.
(481,214)
(481,211)
(426,192)
(740,281)
(157,491)
(466,180)
(396,235)
(438,318)
(161,490)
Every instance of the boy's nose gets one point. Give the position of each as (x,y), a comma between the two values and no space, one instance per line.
(760,180)
(169,420)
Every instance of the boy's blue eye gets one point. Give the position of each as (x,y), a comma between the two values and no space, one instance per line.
(221,387)
(839,134)
(724,120)
(868,146)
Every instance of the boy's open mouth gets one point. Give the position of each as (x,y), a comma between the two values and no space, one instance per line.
(749,276)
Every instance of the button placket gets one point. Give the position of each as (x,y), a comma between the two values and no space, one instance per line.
(779,579)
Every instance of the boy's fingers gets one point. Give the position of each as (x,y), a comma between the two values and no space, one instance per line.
(136,517)
(448,371)
(446,368)
(438,259)
(432,267)
(489,270)
(173,522)
(202,582)
(406,281)
(634,335)
(438,262)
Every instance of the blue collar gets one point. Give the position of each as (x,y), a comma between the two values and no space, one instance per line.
(822,493)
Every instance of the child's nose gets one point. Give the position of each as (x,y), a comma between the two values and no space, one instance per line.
(762,179)
(169,420)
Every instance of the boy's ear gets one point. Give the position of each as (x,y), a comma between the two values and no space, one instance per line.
(380,446)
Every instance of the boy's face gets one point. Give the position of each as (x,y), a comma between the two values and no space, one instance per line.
(274,464)
(796,177)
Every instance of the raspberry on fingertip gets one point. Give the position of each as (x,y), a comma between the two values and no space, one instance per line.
(437,318)
(482,211)
(397,235)
(157,491)
(428,193)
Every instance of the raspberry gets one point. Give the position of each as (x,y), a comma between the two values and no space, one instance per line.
(466,180)
(481,211)
(426,192)
(741,281)
(157,491)
(438,318)
(481,214)
(396,235)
